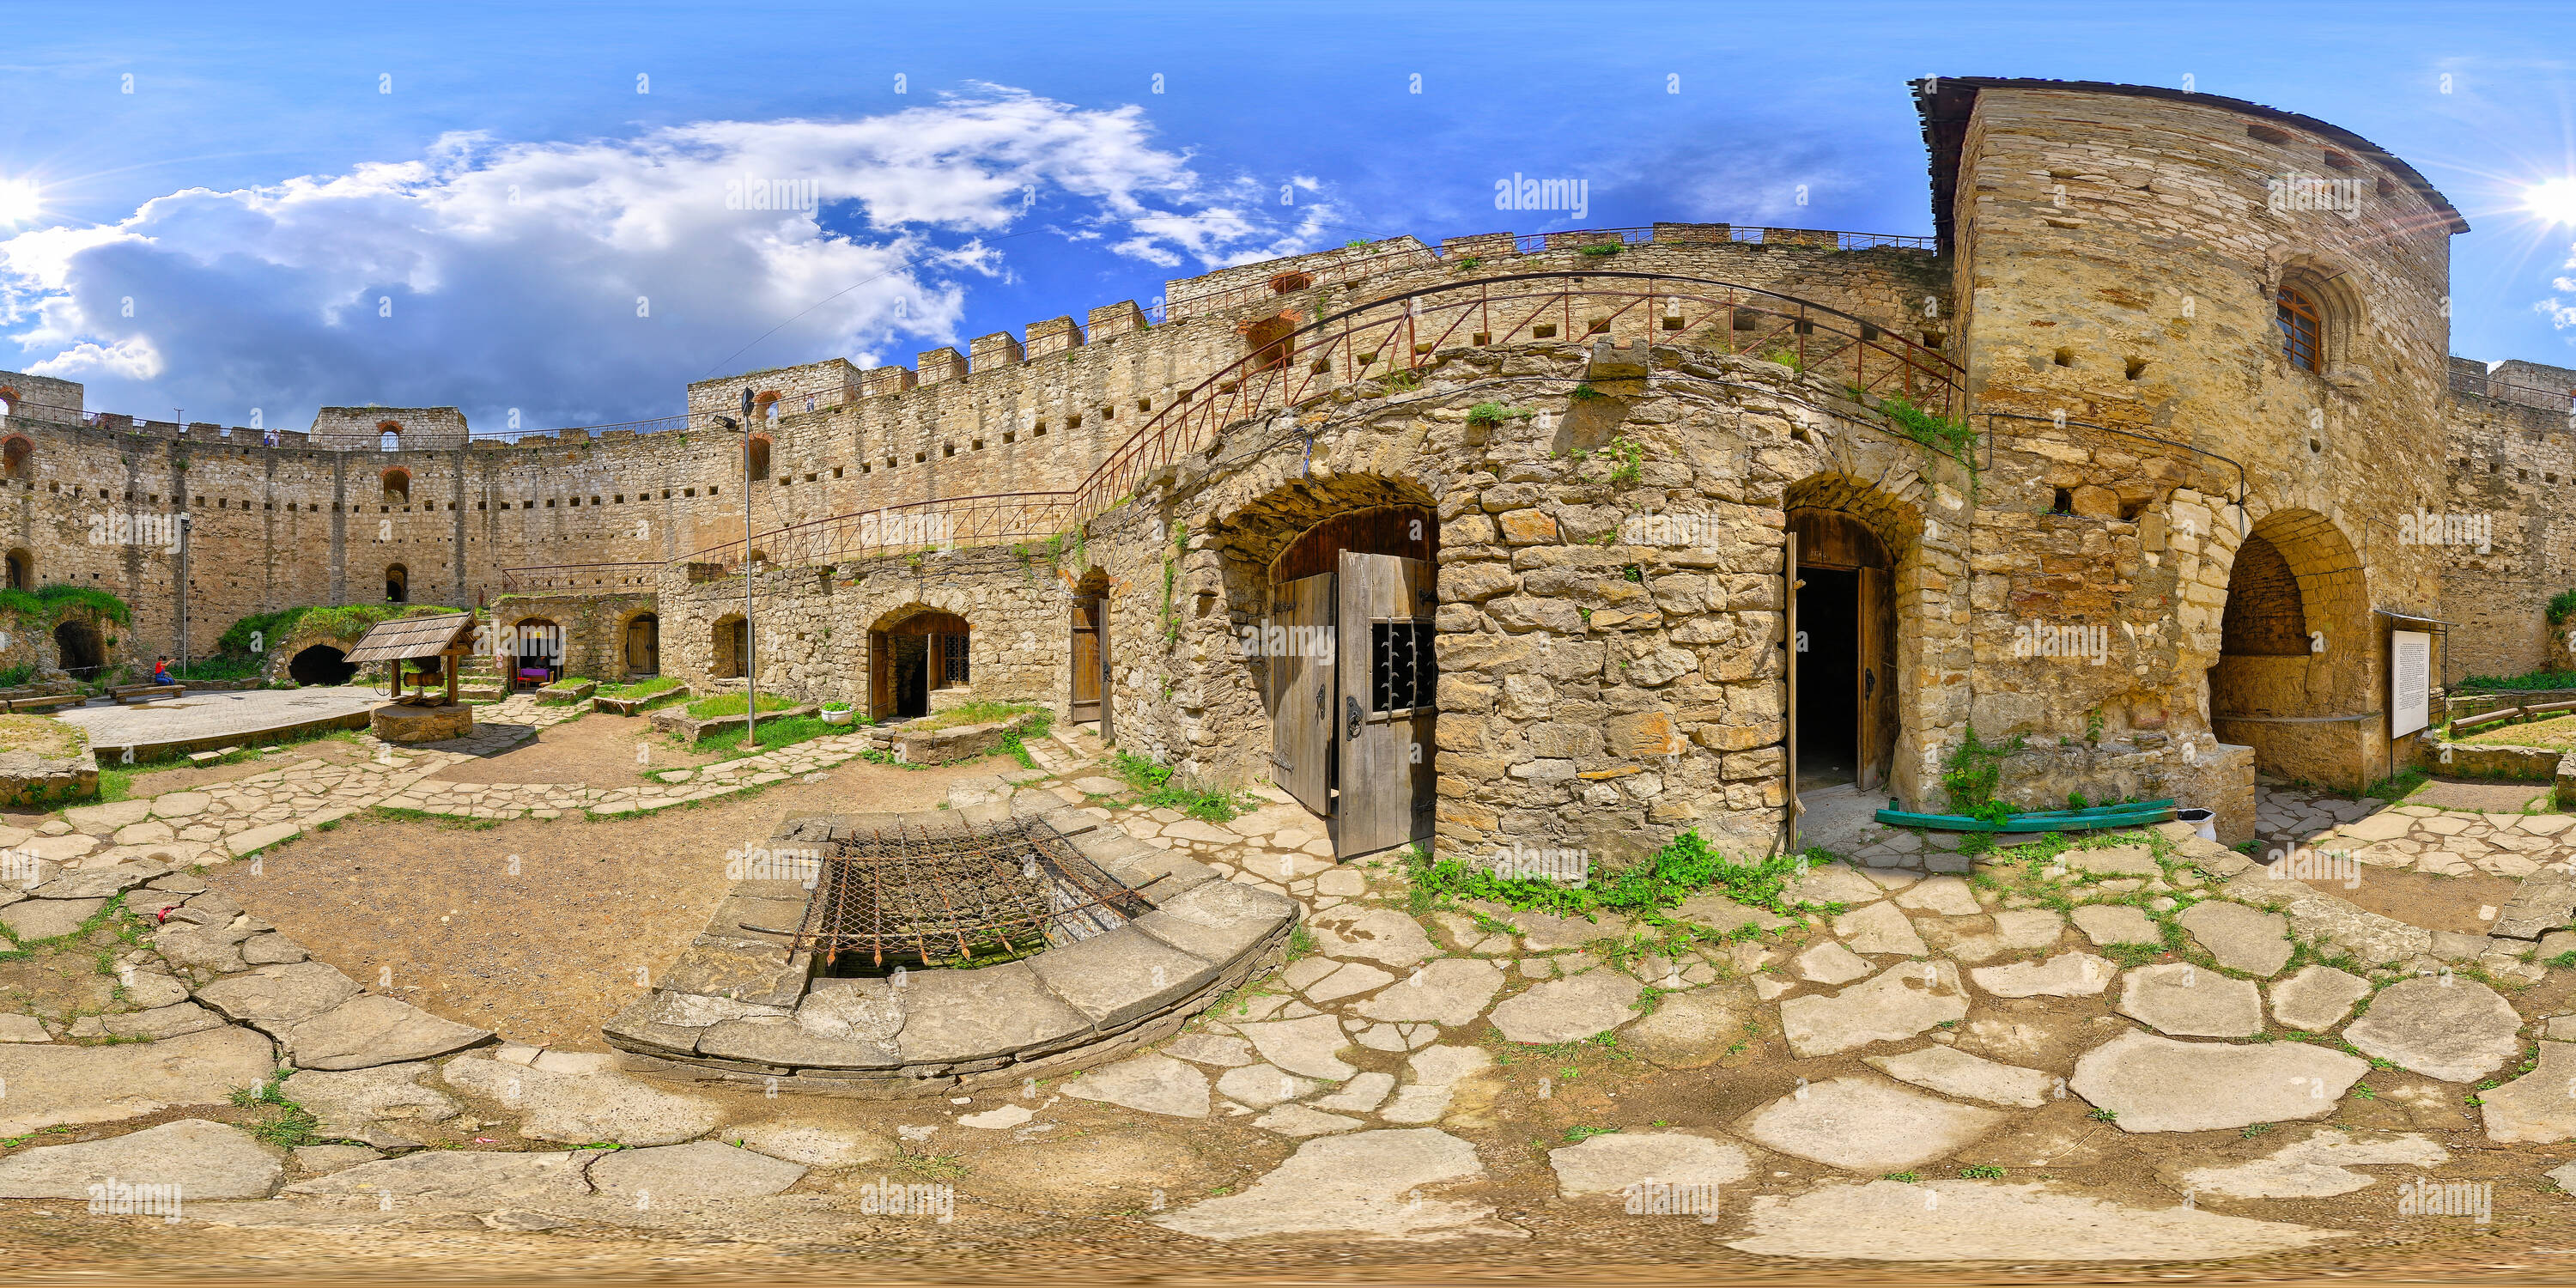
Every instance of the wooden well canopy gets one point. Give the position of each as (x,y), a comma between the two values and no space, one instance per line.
(446,636)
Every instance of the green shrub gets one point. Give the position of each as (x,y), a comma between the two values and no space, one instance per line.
(340,619)
(47,605)
(641,688)
(1971,774)
(2534,680)
(2561,606)
(1684,866)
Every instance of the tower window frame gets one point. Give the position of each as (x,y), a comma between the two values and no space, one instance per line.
(2303,328)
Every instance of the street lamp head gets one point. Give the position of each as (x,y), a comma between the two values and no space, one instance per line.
(746,404)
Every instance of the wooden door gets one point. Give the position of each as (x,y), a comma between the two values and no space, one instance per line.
(1382,726)
(880,677)
(1302,690)
(1867,678)
(1086,659)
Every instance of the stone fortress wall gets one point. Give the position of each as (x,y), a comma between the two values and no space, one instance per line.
(2231,532)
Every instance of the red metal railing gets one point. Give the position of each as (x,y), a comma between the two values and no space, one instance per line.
(1392,337)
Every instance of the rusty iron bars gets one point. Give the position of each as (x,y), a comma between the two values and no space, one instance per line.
(1390,338)
(905,896)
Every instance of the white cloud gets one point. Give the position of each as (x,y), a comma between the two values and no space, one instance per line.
(491,274)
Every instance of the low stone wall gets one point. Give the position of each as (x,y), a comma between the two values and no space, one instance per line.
(567,692)
(2480,760)
(739,1007)
(637,706)
(2567,781)
(959,743)
(2460,706)
(30,781)
(677,720)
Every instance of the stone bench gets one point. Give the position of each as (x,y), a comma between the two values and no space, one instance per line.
(960,742)
(636,706)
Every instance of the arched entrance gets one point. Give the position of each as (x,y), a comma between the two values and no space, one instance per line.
(912,652)
(81,651)
(729,644)
(1344,654)
(321,664)
(1090,686)
(533,650)
(644,645)
(2297,655)
(22,570)
(397,584)
(1843,692)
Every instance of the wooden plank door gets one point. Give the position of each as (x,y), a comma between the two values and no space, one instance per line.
(1108,677)
(1302,690)
(1383,725)
(1086,659)
(1867,677)
(880,677)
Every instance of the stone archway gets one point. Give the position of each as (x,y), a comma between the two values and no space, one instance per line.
(1342,575)
(532,652)
(2297,652)
(321,664)
(640,643)
(82,651)
(916,654)
(1865,548)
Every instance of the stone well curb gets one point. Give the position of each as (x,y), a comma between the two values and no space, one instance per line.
(739,1007)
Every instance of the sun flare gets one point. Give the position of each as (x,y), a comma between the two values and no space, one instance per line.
(19,201)
(2552,199)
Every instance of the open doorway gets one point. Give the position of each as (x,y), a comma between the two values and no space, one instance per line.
(1088,683)
(1843,700)
(82,654)
(321,664)
(914,652)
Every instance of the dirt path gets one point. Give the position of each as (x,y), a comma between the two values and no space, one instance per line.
(540,930)
(597,750)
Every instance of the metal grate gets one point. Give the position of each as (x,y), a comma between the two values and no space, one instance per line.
(913,897)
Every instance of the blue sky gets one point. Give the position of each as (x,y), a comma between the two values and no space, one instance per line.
(475,205)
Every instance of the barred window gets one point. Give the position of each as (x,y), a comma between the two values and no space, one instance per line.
(955,648)
(1402,673)
(2301,329)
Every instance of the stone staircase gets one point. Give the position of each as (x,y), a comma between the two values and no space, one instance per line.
(478,680)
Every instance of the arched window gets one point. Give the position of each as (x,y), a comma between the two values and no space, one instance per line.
(8,400)
(397,584)
(397,484)
(16,455)
(389,436)
(759,457)
(1267,341)
(22,570)
(2302,329)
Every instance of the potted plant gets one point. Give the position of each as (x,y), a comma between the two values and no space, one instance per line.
(837,712)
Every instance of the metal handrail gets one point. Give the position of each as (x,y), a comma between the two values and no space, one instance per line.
(1394,336)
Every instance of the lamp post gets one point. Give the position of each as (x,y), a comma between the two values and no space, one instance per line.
(750,672)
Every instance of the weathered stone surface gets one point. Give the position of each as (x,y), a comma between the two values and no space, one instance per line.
(1953,1072)
(99,883)
(1210,1048)
(2454,1029)
(1984,1221)
(27,1028)
(2192,1001)
(1834,883)
(1122,976)
(34,919)
(1879,928)
(1865,1125)
(1947,895)
(2332,923)
(1380,935)
(582,1108)
(2117,861)
(1300,1120)
(1831,963)
(1899,1003)
(49,1084)
(372,1029)
(1322,979)
(1721,913)
(2257,943)
(381,1105)
(741,969)
(698,1170)
(2065,975)
(214,948)
(1449,992)
(2159,1084)
(2536,1108)
(278,995)
(1153,1084)
(157,1023)
(1304,1046)
(314,1160)
(2116,923)
(1568,1010)
(204,1160)
(815,1146)
(1377,1185)
(2318,1166)
(1691,1030)
(1611,1163)
(2317,997)
(973,1014)
(1259,1086)
(459,1177)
